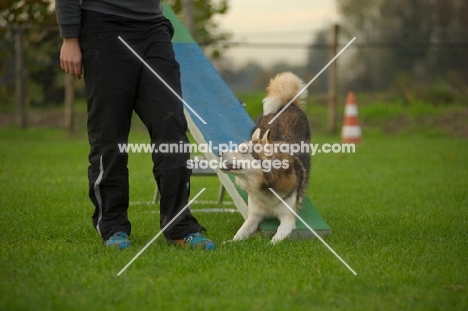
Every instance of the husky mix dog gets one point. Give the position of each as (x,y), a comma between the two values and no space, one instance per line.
(266,162)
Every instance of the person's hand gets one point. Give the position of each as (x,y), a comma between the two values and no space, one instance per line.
(70,57)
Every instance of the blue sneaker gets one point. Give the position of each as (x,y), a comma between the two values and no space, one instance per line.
(195,240)
(119,240)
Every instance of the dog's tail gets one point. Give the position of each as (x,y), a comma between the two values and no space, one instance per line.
(281,90)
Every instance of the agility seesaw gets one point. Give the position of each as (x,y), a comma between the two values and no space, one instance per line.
(216,116)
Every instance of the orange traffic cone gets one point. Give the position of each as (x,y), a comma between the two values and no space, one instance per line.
(351,132)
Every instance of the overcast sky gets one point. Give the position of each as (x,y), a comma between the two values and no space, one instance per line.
(278,21)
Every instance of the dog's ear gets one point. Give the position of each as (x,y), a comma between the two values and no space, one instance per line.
(256,135)
(266,137)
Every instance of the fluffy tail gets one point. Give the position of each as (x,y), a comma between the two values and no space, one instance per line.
(281,90)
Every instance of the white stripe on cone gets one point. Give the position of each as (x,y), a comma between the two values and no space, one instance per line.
(351,132)
(351,110)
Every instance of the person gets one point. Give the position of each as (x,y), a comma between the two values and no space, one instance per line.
(118,83)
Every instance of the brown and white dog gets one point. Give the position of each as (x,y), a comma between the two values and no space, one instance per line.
(266,161)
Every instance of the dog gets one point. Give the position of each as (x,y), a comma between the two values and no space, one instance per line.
(260,166)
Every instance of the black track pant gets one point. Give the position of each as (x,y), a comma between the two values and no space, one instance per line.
(117,84)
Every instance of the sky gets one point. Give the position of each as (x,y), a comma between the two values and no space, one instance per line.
(275,21)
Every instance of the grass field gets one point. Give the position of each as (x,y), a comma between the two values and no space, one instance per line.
(398,209)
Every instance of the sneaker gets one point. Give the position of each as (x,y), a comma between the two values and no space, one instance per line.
(195,240)
(119,240)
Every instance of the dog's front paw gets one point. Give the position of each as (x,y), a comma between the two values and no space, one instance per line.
(275,241)
(278,238)
(238,237)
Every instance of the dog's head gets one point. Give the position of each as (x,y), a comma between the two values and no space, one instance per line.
(254,157)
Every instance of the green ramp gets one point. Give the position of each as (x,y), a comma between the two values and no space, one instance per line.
(226,121)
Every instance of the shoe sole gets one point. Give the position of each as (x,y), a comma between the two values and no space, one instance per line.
(119,245)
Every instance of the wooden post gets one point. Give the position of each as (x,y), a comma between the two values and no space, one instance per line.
(69,103)
(187,10)
(19,76)
(332,84)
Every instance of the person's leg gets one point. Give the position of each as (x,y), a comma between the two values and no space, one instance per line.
(111,76)
(162,113)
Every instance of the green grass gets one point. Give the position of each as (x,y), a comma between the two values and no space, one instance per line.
(397,208)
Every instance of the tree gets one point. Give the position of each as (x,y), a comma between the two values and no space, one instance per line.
(36,22)
(404,28)
(206,30)
(30,12)
(318,55)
